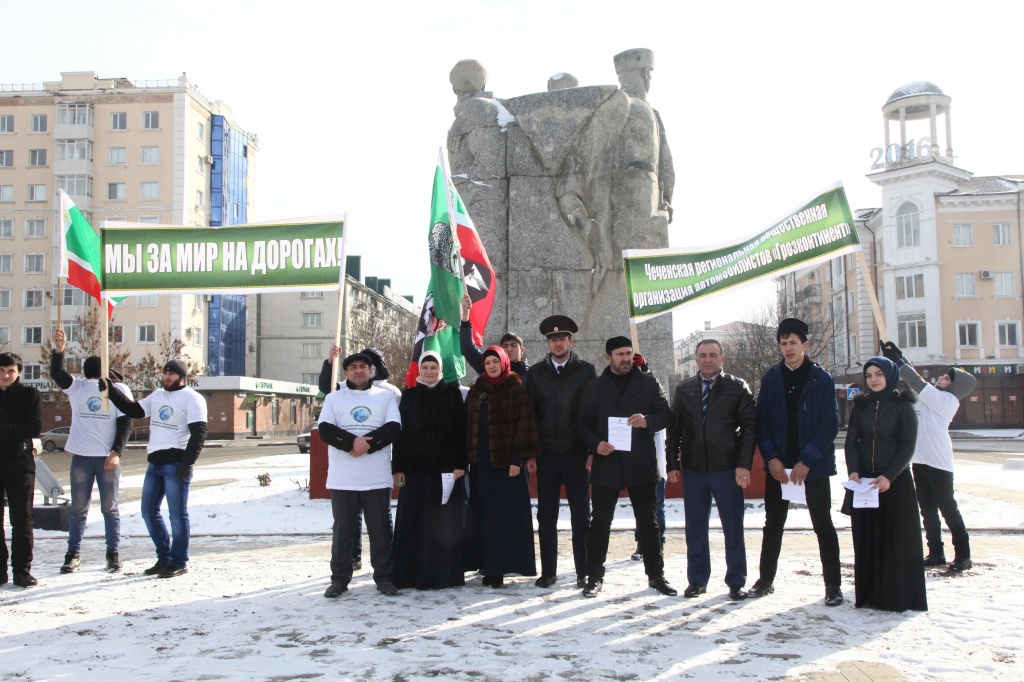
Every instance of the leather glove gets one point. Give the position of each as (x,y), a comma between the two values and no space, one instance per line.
(184,471)
(102,384)
(892,352)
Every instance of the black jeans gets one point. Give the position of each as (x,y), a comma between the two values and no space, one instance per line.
(553,470)
(376,506)
(935,494)
(19,489)
(776,509)
(642,497)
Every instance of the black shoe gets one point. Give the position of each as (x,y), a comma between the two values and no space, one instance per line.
(737,593)
(581,581)
(387,587)
(3,578)
(335,590)
(694,589)
(156,569)
(959,565)
(113,561)
(760,589)
(546,581)
(638,555)
(833,596)
(357,566)
(25,579)
(593,588)
(172,572)
(495,581)
(71,563)
(661,585)
(933,560)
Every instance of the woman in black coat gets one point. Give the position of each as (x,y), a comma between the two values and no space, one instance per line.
(428,531)
(886,539)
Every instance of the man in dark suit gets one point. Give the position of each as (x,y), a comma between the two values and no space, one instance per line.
(714,434)
(619,414)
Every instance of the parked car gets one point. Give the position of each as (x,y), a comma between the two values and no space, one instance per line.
(37,447)
(303,442)
(55,438)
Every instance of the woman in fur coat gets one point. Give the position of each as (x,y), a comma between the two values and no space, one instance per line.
(886,539)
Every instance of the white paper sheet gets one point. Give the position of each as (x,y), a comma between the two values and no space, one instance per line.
(447,486)
(864,496)
(793,492)
(620,433)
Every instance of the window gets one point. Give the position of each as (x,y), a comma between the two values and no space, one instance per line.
(31,336)
(35,262)
(1008,333)
(74,150)
(5,336)
(151,155)
(33,299)
(912,330)
(965,284)
(1001,234)
(7,124)
(200,165)
(963,235)
(293,412)
(197,336)
(201,132)
(74,114)
(31,371)
(6,229)
(5,263)
(311,294)
(310,378)
(38,123)
(149,219)
(199,198)
(967,334)
(37,192)
(312,350)
(150,120)
(73,296)
(5,299)
(80,185)
(37,157)
(197,302)
(275,412)
(854,353)
(312,319)
(116,332)
(147,301)
(1004,283)
(117,156)
(119,120)
(35,229)
(150,190)
(72,329)
(145,333)
(908,226)
(911,286)
(6,192)
(6,158)
(851,304)
(115,191)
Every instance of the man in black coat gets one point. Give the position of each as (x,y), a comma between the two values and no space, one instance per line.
(555,387)
(714,434)
(21,420)
(632,406)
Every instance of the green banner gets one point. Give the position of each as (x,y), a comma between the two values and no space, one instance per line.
(232,259)
(659,280)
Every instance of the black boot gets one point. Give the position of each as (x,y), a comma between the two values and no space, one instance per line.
(71,563)
(934,559)
(113,561)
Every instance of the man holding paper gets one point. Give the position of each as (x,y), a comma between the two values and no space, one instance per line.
(798,420)
(714,434)
(619,414)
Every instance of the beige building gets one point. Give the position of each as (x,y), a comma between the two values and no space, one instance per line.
(136,152)
(946,255)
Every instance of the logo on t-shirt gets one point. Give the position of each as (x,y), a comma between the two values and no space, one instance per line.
(360,413)
(165,412)
(94,404)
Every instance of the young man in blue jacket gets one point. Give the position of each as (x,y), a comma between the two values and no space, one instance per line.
(798,420)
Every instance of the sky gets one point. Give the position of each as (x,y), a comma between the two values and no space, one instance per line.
(764,104)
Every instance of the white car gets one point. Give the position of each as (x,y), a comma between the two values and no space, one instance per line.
(302,440)
(37,447)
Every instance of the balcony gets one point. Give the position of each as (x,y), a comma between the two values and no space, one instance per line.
(72,167)
(810,294)
(74,131)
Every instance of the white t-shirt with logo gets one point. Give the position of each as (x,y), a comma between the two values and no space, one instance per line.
(170,413)
(359,412)
(92,428)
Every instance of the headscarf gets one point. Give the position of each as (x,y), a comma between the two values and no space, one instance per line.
(506,366)
(436,357)
(892,377)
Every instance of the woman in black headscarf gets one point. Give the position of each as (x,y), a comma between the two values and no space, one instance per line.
(886,539)
(428,528)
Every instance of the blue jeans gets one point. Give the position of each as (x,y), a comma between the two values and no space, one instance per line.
(85,470)
(162,481)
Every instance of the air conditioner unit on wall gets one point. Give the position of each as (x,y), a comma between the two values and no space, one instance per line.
(209,160)
(986,274)
(1020,369)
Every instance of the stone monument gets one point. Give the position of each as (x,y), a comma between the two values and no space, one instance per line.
(558,183)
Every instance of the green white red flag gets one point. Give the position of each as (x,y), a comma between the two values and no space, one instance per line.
(78,251)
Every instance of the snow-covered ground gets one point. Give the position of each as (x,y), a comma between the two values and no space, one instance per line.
(251,606)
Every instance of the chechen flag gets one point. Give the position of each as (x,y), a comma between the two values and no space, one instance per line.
(476,268)
(78,256)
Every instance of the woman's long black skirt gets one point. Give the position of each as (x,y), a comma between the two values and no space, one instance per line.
(429,548)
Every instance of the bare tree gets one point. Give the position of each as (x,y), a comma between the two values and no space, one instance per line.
(84,334)
(752,349)
(392,335)
(148,370)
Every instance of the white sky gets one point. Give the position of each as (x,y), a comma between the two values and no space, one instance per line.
(764,103)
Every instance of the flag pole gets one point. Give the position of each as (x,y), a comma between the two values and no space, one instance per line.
(451,214)
(60,302)
(872,297)
(104,350)
(336,364)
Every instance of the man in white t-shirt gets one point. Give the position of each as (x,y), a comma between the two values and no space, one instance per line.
(177,432)
(359,424)
(96,440)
